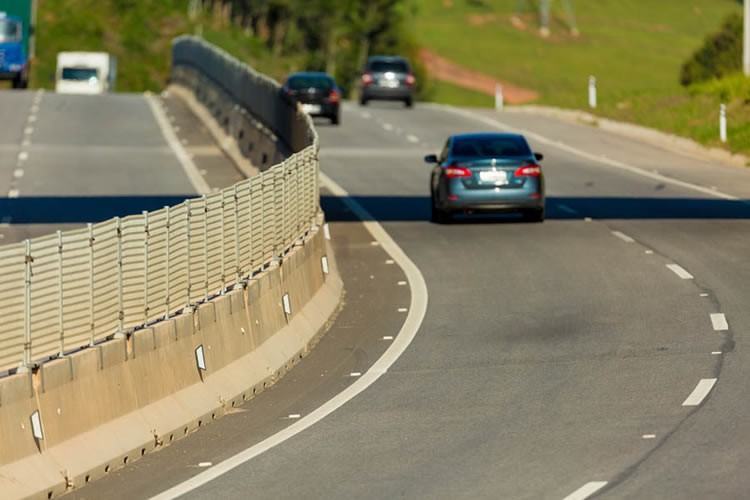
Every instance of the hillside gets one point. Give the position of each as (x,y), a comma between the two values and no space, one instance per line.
(635,48)
(139,33)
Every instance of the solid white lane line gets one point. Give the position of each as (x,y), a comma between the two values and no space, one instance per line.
(566,209)
(624,237)
(586,490)
(406,334)
(579,152)
(719,322)
(680,271)
(198,182)
(700,392)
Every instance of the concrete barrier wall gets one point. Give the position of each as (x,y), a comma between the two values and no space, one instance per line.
(107,406)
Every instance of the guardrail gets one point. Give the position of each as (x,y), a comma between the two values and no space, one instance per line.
(73,289)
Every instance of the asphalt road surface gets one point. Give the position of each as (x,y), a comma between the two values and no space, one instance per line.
(66,160)
(601,352)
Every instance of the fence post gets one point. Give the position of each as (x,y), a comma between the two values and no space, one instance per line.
(723,123)
(205,243)
(26,364)
(187,239)
(121,311)
(92,339)
(237,234)
(169,258)
(222,223)
(60,315)
(146,237)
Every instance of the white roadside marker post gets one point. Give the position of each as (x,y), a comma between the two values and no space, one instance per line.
(499,98)
(723,123)
(592,92)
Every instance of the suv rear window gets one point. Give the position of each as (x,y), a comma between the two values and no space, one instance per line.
(480,147)
(310,82)
(388,66)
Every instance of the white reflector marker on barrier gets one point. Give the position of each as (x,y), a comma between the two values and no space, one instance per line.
(36,426)
(287,304)
(324,263)
(200,358)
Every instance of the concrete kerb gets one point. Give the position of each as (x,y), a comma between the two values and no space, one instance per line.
(147,390)
(654,137)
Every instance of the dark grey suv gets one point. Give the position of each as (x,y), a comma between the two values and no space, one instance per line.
(387,78)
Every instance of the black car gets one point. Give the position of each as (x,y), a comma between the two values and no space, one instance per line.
(317,93)
(387,78)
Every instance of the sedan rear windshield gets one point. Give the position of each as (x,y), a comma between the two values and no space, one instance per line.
(494,147)
(80,74)
(10,31)
(310,82)
(389,66)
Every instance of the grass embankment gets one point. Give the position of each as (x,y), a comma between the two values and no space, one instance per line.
(635,48)
(139,33)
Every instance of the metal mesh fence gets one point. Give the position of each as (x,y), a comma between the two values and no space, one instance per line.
(73,289)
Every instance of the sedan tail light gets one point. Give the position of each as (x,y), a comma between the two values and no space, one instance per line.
(528,171)
(410,80)
(367,79)
(455,171)
(334,97)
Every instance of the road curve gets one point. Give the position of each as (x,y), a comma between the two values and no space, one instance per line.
(601,352)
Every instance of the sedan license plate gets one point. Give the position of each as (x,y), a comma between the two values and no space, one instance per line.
(391,84)
(498,178)
(311,108)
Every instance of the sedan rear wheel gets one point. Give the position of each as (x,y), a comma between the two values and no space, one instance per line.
(534,215)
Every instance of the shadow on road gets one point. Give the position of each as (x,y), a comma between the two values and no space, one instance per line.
(417,208)
(60,210)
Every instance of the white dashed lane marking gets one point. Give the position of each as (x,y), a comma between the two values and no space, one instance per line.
(680,271)
(624,237)
(412,138)
(388,127)
(700,392)
(23,156)
(13,193)
(18,173)
(586,490)
(719,322)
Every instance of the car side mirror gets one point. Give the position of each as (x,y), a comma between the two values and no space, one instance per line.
(431,159)
(538,156)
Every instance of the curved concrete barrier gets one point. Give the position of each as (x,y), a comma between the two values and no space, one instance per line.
(83,415)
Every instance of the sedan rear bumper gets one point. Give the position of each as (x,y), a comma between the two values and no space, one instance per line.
(385,93)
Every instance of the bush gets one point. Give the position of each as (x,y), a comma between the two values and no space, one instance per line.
(720,55)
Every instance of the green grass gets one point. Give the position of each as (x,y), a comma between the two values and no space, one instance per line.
(634,47)
(139,33)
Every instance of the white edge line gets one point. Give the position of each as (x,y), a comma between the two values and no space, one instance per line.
(680,271)
(719,322)
(700,392)
(586,490)
(196,179)
(597,158)
(405,336)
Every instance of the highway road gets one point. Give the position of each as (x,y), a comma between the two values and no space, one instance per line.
(67,159)
(600,352)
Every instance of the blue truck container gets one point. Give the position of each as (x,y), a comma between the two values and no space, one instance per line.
(16,32)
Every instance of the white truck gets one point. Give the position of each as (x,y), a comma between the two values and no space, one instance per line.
(85,73)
